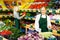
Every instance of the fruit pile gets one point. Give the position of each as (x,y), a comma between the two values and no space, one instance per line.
(37,6)
(0,7)
(41,0)
(26,4)
(10,32)
(5,32)
(8,4)
(32,36)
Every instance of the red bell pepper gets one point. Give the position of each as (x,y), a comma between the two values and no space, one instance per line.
(6,32)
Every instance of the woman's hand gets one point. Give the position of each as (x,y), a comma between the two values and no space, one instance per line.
(24,14)
(50,27)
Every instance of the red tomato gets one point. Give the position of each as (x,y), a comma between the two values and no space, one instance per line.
(46,4)
(24,13)
(35,6)
(6,32)
(38,6)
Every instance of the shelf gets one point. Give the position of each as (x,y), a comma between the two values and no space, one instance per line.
(55,33)
(29,18)
(54,21)
(6,16)
(3,15)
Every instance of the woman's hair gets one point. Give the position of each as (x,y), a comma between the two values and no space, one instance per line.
(15,8)
(44,7)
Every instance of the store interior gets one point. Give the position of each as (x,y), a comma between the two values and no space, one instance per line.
(30,8)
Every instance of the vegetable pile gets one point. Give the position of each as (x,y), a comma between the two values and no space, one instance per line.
(10,32)
(15,33)
(32,36)
(5,32)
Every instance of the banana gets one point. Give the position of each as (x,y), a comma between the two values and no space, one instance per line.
(3,5)
(25,4)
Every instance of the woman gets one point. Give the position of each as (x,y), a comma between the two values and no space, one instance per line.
(17,17)
(42,22)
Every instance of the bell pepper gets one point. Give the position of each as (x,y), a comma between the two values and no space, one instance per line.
(6,32)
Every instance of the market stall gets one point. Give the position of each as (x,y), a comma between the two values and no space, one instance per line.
(30,8)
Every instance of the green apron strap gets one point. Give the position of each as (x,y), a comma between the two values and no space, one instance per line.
(17,23)
(43,24)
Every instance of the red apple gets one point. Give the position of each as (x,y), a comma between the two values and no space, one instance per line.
(24,13)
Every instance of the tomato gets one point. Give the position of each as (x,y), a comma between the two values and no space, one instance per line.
(35,6)
(6,32)
(24,13)
(31,6)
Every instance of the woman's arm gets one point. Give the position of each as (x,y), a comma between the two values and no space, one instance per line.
(37,23)
(16,15)
(22,16)
(48,23)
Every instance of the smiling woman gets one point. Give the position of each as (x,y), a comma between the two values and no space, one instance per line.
(42,21)
(17,18)
(43,10)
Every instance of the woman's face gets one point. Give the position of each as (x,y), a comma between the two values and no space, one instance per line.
(16,8)
(43,10)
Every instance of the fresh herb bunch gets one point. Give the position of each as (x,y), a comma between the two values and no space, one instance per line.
(15,33)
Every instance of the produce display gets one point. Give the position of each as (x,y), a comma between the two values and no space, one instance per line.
(25,4)
(2,23)
(2,3)
(27,24)
(37,6)
(8,4)
(15,33)
(10,32)
(32,36)
(46,34)
(2,28)
(31,5)
(5,33)
(52,38)
(0,6)
(29,8)
(28,4)
(41,0)
(58,31)
(8,22)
